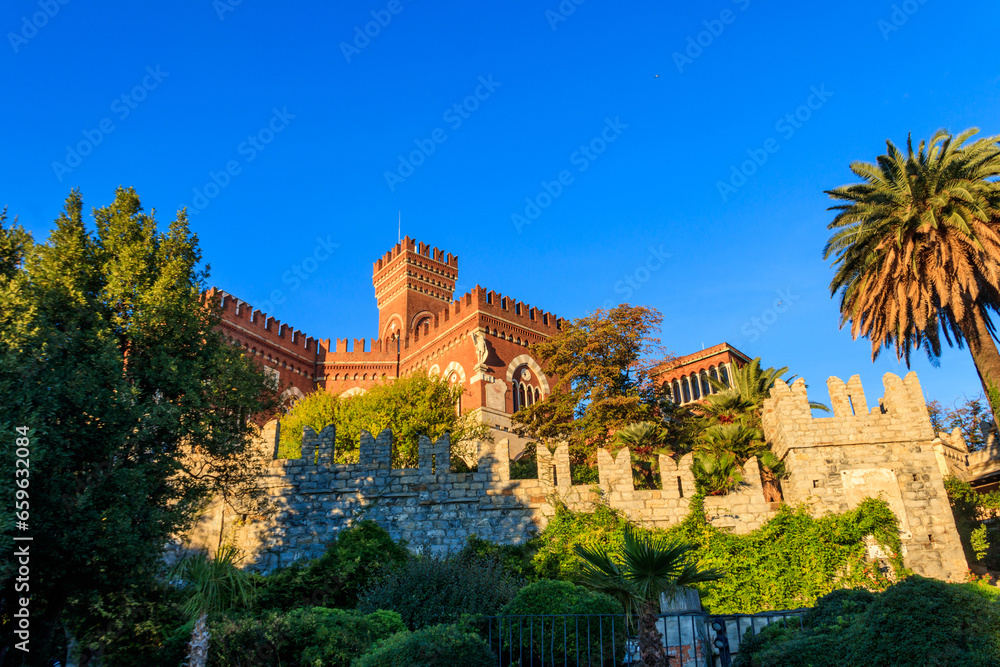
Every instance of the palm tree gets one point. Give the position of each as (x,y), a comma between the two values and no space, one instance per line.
(645,567)
(645,442)
(716,473)
(214,585)
(916,247)
(742,441)
(751,384)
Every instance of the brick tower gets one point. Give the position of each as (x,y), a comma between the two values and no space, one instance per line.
(413,282)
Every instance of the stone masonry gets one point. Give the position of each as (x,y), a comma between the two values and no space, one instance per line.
(834,463)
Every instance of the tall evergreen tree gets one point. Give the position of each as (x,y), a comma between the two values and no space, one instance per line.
(113,362)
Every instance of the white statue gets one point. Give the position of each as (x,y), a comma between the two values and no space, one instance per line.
(482,351)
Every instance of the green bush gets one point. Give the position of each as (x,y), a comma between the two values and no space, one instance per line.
(431,590)
(554,555)
(515,558)
(434,646)
(915,622)
(306,636)
(579,613)
(335,578)
(975,517)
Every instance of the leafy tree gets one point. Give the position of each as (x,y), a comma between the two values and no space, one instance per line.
(114,364)
(916,246)
(412,406)
(601,381)
(213,585)
(971,416)
(644,568)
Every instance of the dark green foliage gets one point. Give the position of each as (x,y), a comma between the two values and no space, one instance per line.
(915,622)
(306,636)
(549,597)
(338,576)
(787,563)
(145,627)
(975,517)
(110,357)
(435,646)
(442,589)
(515,558)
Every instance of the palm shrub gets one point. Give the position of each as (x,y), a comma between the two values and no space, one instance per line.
(211,585)
(716,474)
(645,441)
(645,567)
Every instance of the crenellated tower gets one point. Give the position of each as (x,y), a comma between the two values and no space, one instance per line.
(413,282)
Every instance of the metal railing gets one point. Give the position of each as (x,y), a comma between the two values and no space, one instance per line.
(691,639)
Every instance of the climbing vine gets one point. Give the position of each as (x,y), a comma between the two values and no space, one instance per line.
(787,563)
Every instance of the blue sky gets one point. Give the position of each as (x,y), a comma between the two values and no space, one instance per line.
(618,121)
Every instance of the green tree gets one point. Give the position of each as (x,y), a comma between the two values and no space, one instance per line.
(114,364)
(411,406)
(971,416)
(599,366)
(916,246)
(213,585)
(645,567)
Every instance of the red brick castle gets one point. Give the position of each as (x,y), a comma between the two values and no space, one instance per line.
(479,341)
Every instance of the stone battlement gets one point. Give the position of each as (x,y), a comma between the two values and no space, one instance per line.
(833,464)
(900,416)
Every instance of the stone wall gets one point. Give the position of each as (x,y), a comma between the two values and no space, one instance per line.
(890,451)
(833,462)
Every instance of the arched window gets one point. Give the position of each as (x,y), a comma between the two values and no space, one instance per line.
(724,374)
(695,387)
(517,406)
(677,396)
(706,388)
(531,396)
(538,395)
(520,394)
(714,375)
(684,387)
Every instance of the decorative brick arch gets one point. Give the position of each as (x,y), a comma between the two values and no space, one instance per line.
(293,392)
(434,370)
(388,331)
(454,366)
(522,360)
(419,316)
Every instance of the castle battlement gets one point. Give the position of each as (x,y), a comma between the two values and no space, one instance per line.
(507,308)
(900,416)
(236,312)
(420,248)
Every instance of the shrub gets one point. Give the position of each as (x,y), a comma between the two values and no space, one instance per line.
(555,557)
(306,636)
(515,558)
(434,646)
(915,622)
(335,578)
(582,623)
(441,589)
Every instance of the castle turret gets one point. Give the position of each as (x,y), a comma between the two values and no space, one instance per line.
(413,282)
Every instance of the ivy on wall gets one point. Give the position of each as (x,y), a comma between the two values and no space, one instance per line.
(787,563)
